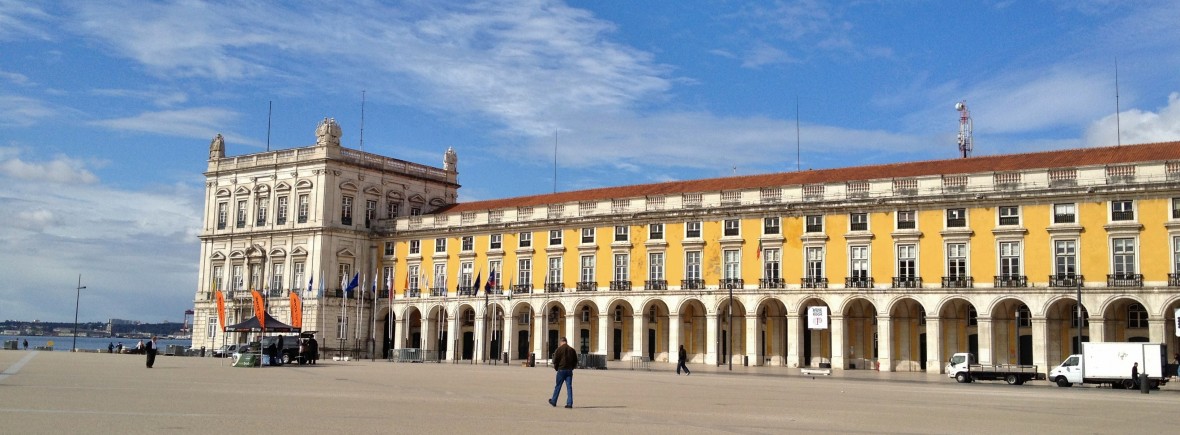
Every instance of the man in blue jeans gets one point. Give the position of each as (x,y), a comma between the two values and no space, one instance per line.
(565,360)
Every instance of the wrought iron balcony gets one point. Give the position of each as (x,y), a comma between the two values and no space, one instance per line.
(466,290)
(620,285)
(956,222)
(957,282)
(692,284)
(772,283)
(281,221)
(906,225)
(1174,280)
(260,222)
(302,219)
(383,294)
(221,225)
(241,224)
(1011,281)
(734,283)
(907,282)
(1122,215)
(1124,280)
(519,289)
(414,293)
(346,220)
(858,282)
(554,287)
(438,291)
(858,226)
(1009,220)
(656,284)
(587,286)
(1065,218)
(812,228)
(814,282)
(1066,280)
(274,293)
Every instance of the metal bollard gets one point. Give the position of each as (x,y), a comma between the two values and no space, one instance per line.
(1144,384)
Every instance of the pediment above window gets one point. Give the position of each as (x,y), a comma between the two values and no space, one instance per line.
(348,186)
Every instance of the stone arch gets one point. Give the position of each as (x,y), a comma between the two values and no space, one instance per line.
(1011,338)
(771,335)
(692,328)
(656,336)
(1125,318)
(958,326)
(815,345)
(907,336)
(860,332)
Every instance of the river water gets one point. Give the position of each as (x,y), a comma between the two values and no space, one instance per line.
(64,344)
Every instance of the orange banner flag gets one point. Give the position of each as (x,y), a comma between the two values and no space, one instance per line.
(296,310)
(220,308)
(259,309)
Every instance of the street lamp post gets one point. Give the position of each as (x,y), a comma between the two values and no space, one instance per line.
(729,334)
(77,300)
(1080,320)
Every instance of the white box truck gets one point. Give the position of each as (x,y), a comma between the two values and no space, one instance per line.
(1110,363)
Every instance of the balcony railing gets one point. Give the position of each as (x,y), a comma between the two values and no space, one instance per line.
(771,283)
(260,222)
(414,293)
(1064,218)
(907,282)
(735,283)
(1122,215)
(620,285)
(383,294)
(1011,281)
(438,292)
(956,222)
(274,293)
(957,282)
(468,290)
(692,284)
(811,228)
(554,287)
(858,282)
(518,289)
(242,224)
(221,225)
(858,226)
(1124,280)
(814,282)
(587,286)
(1009,220)
(346,220)
(906,225)
(1066,280)
(1174,280)
(656,284)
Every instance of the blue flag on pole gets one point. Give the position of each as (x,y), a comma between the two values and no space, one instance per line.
(475,288)
(352,285)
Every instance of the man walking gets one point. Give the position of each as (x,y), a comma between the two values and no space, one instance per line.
(150,350)
(681,365)
(565,360)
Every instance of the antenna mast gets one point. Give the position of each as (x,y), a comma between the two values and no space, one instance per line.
(362,134)
(966,142)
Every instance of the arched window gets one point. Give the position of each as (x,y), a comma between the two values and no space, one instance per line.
(1023,316)
(1136,316)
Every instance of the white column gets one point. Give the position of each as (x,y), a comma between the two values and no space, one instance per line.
(983,329)
(539,325)
(1040,344)
(1096,331)
(400,331)
(752,328)
(638,334)
(452,329)
(571,333)
(673,336)
(838,342)
(794,334)
(933,345)
(605,323)
(884,343)
(712,352)
(481,338)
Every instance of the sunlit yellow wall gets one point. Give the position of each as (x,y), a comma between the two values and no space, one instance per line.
(792,249)
(674,254)
(711,262)
(751,269)
(982,257)
(1153,241)
(882,254)
(931,251)
(1094,246)
(1037,264)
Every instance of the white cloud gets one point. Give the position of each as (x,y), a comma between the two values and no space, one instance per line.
(15,78)
(1138,126)
(22,111)
(199,122)
(764,54)
(21,19)
(159,97)
(60,170)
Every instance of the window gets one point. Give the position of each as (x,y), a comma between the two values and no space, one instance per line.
(1010,215)
(1176,254)
(907,262)
(415,247)
(655,269)
(815,262)
(732,227)
(771,264)
(496,241)
(622,233)
(814,224)
(391,209)
(956,260)
(587,270)
(1124,257)
(255,277)
(692,265)
(467,243)
(692,229)
(956,217)
(303,207)
(370,212)
(771,225)
(297,275)
(281,213)
(1023,316)
(526,240)
(222,214)
(260,213)
(1136,316)
(495,272)
(524,272)
(554,270)
(554,237)
(622,271)
(342,327)
(858,222)
(1122,210)
(587,235)
(216,278)
(388,249)
(412,273)
(466,274)
(440,277)
(276,276)
(241,213)
(1009,260)
(237,278)
(1064,214)
(1065,260)
(1073,316)
(1175,208)
(859,262)
(346,210)
(211,327)
(733,264)
(906,220)
(343,271)
(440,244)
(655,231)
(415,211)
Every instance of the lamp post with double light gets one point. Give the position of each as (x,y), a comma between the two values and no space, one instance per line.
(77,300)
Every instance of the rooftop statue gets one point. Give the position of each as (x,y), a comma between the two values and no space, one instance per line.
(328,133)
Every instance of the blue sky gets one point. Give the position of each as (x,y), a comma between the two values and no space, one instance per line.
(107,108)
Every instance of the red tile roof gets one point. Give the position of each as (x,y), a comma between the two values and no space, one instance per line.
(1071,158)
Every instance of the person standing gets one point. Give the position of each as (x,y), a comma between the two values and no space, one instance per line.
(150,350)
(682,364)
(313,348)
(1135,373)
(111,347)
(565,360)
(119,347)
(26,344)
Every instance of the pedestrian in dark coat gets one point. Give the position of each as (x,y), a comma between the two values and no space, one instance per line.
(683,357)
(150,349)
(565,360)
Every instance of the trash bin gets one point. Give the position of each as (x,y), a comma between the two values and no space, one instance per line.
(532,359)
(1144,383)
(745,360)
(202,351)
(505,357)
